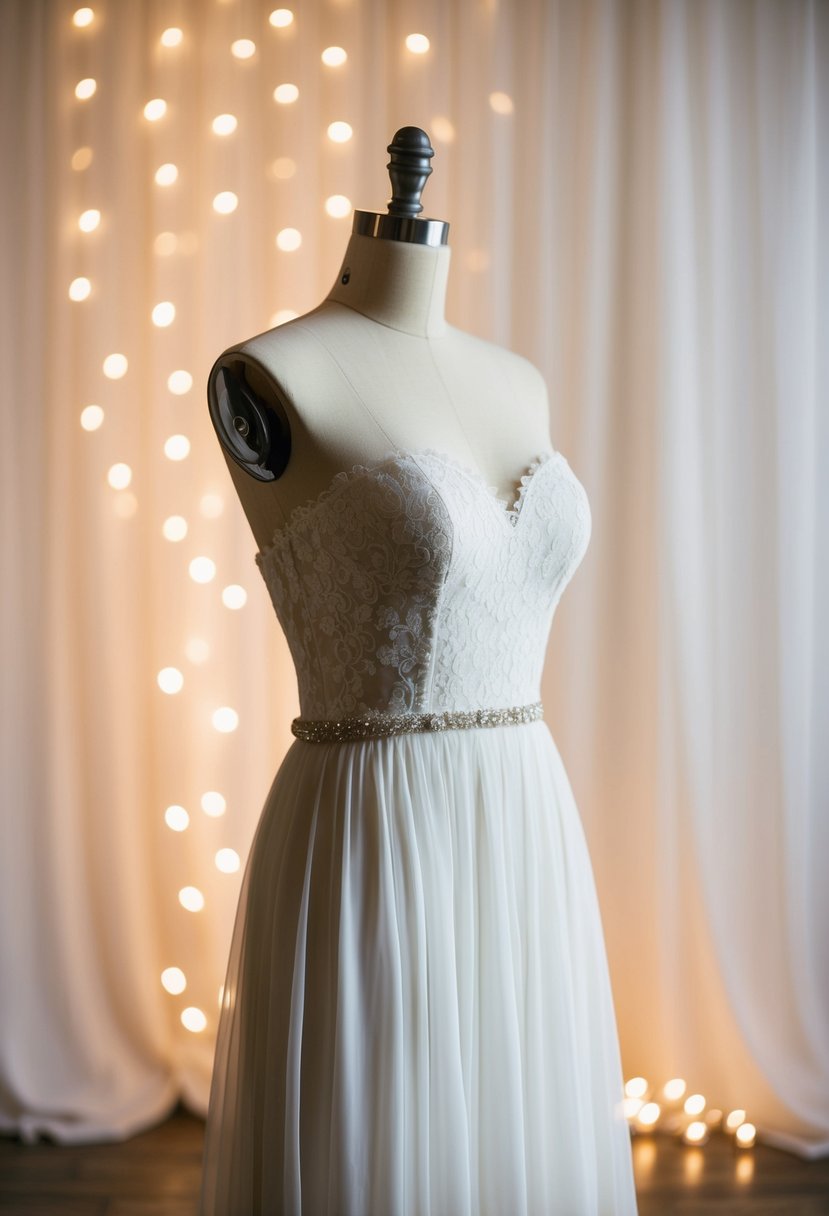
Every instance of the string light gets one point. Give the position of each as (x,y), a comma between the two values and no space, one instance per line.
(690,1121)
(81,159)
(89,220)
(155,109)
(164,314)
(225,202)
(228,861)
(174,528)
(281,168)
(83,17)
(225,720)
(173,980)
(418,44)
(115,366)
(333,56)
(119,476)
(285,94)
(234,596)
(177,447)
(171,37)
(213,804)
(176,818)
(243,48)
(224,124)
(179,382)
(166,174)
(202,569)
(191,898)
(170,680)
(339,132)
(91,417)
(281,17)
(85,88)
(338,205)
(288,239)
(442,129)
(745,1135)
(501,103)
(193,1019)
(79,289)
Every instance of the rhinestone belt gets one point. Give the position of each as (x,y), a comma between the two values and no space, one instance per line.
(380,723)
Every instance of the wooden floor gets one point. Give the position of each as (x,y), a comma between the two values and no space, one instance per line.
(157,1174)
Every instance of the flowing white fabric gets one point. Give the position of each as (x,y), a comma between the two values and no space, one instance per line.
(647,225)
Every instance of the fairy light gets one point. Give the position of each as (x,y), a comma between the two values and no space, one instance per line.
(647,1117)
(92,417)
(225,719)
(442,129)
(636,1087)
(339,132)
(179,382)
(501,103)
(227,861)
(243,48)
(282,168)
(166,174)
(119,476)
(115,366)
(170,680)
(85,88)
(225,202)
(174,528)
(176,818)
(285,94)
(224,124)
(197,650)
(688,1120)
(177,447)
(288,239)
(673,1090)
(155,109)
(193,1019)
(213,803)
(211,505)
(234,596)
(165,244)
(338,206)
(81,159)
(733,1119)
(202,569)
(79,289)
(164,314)
(173,980)
(171,37)
(280,18)
(83,17)
(694,1105)
(89,220)
(334,56)
(695,1133)
(745,1135)
(418,44)
(191,898)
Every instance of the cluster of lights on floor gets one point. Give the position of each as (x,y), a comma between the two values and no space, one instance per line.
(688,1117)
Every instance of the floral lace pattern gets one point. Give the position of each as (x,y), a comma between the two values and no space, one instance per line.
(408,584)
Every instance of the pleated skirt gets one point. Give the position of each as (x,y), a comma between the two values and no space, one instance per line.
(417,1017)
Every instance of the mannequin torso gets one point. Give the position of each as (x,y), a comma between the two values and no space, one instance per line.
(376,366)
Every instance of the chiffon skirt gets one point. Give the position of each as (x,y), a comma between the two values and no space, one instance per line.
(417,1017)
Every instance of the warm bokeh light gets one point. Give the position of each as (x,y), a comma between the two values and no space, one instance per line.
(418,44)
(179,382)
(224,124)
(173,980)
(695,1104)
(197,650)
(89,220)
(115,366)
(164,314)
(713,1118)
(85,88)
(285,94)
(733,1119)
(191,898)
(631,1107)
(174,528)
(338,205)
(193,1019)
(202,569)
(288,239)
(234,596)
(91,417)
(213,804)
(177,447)
(170,680)
(155,109)
(333,56)
(228,861)
(82,17)
(225,202)
(674,1089)
(124,505)
(243,48)
(119,476)
(225,719)
(442,129)
(745,1135)
(165,244)
(211,505)
(176,818)
(280,17)
(281,168)
(79,289)
(339,132)
(744,1169)
(501,103)
(648,1115)
(695,1133)
(636,1087)
(166,174)
(81,159)
(171,36)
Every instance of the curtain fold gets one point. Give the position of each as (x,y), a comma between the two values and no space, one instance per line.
(637,195)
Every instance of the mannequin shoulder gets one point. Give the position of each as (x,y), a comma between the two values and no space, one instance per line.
(526,382)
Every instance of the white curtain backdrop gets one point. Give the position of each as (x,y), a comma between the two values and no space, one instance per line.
(638,196)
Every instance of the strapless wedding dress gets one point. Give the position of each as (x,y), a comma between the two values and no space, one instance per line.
(417,1018)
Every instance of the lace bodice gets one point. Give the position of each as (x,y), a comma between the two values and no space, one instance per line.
(408,584)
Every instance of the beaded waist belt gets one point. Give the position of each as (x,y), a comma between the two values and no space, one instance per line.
(380,723)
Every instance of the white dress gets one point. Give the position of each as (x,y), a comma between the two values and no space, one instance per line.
(417,1018)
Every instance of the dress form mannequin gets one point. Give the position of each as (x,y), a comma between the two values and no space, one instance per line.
(373,367)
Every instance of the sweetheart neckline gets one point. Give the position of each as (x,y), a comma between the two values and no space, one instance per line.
(509,511)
